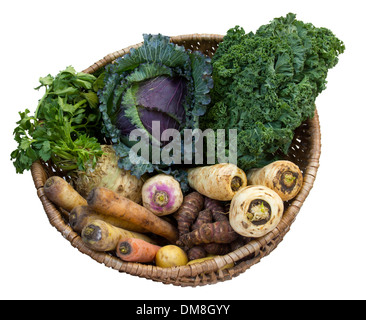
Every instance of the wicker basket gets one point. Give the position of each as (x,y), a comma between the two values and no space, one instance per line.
(305,152)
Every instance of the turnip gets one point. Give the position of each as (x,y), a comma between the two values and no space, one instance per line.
(162,195)
(106,173)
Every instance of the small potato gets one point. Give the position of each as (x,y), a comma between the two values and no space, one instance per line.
(171,256)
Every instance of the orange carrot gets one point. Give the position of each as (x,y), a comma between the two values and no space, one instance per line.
(136,250)
(108,202)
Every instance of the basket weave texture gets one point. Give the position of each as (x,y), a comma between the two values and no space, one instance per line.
(305,152)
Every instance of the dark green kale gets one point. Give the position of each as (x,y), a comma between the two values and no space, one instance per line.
(266,83)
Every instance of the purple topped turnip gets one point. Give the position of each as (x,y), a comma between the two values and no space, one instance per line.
(162,195)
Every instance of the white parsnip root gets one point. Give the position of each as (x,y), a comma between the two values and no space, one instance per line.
(255,211)
(284,177)
(219,181)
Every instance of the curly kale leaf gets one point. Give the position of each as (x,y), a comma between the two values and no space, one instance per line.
(266,83)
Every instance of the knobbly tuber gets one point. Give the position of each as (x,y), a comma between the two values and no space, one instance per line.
(217,248)
(214,205)
(218,232)
(188,212)
(205,216)
(196,252)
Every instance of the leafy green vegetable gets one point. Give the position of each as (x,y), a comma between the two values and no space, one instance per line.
(65,127)
(265,84)
(159,81)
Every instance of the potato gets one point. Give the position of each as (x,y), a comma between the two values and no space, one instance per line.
(171,256)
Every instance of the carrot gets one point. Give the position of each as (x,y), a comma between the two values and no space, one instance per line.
(188,212)
(219,232)
(136,250)
(282,176)
(102,236)
(80,216)
(255,211)
(219,181)
(61,193)
(108,202)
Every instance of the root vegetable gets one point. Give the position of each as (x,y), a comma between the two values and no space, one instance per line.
(162,195)
(205,216)
(136,250)
(219,182)
(217,248)
(282,176)
(255,211)
(188,212)
(219,232)
(102,236)
(80,216)
(107,174)
(108,202)
(171,256)
(214,205)
(196,252)
(61,193)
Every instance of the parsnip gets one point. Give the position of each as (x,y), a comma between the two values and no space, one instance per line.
(282,176)
(219,182)
(255,211)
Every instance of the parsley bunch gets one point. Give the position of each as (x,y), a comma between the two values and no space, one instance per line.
(65,126)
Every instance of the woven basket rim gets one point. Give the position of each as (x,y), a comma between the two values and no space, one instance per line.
(209,271)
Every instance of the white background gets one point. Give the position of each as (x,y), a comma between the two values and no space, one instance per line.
(323,255)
